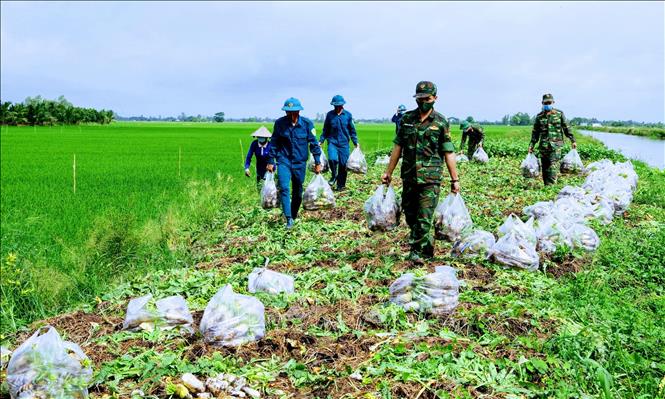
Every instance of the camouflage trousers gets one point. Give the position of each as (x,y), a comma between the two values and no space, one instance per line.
(550,164)
(418,203)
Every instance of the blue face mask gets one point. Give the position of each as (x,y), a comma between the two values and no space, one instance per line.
(262,140)
(547,107)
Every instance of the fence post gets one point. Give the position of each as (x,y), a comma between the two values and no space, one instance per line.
(74,173)
(179,159)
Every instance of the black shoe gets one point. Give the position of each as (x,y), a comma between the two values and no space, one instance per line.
(340,189)
(415,259)
(332,181)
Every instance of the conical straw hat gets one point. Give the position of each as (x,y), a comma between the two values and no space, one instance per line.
(262,132)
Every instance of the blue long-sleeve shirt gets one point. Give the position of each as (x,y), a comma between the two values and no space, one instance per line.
(262,153)
(339,129)
(288,144)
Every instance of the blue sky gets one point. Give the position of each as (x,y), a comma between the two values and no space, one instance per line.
(603,59)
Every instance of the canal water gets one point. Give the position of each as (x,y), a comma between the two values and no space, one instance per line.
(651,151)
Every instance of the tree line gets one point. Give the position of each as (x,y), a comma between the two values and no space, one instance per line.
(40,111)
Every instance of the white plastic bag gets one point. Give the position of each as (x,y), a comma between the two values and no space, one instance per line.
(436,293)
(530,166)
(584,237)
(551,233)
(474,243)
(166,314)
(269,192)
(523,230)
(382,160)
(539,209)
(232,319)
(513,250)
(572,163)
(461,158)
(46,366)
(324,162)
(578,193)
(480,155)
(382,209)
(451,217)
(357,162)
(272,282)
(318,195)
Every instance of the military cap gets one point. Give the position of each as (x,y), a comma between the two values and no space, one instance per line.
(548,97)
(425,89)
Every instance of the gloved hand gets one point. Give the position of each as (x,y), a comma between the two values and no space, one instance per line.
(247,172)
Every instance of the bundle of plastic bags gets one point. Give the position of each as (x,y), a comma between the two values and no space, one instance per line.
(572,163)
(451,217)
(480,155)
(324,162)
(166,314)
(436,293)
(262,279)
(382,160)
(356,162)
(269,192)
(232,319)
(515,251)
(578,193)
(572,210)
(473,243)
(539,209)
(461,158)
(382,209)
(523,230)
(318,195)
(46,366)
(530,166)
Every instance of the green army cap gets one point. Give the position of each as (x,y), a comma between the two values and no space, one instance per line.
(548,97)
(425,89)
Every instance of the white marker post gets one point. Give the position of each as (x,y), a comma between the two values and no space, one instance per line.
(179,159)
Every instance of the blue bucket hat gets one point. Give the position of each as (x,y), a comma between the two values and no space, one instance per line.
(337,100)
(292,104)
(401,107)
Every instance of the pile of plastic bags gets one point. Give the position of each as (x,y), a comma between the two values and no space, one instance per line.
(451,218)
(166,314)
(262,279)
(357,162)
(480,155)
(269,192)
(572,163)
(324,162)
(606,192)
(530,166)
(318,195)
(46,366)
(382,209)
(436,293)
(232,319)
(473,243)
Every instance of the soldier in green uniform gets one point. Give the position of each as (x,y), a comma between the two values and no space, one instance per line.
(423,140)
(476,136)
(549,128)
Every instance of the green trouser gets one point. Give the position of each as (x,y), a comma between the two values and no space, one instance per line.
(549,159)
(473,146)
(418,203)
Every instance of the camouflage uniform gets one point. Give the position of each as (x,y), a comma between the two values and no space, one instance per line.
(549,128)
(475,135)
(423,146)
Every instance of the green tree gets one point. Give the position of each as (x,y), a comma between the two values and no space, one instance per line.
(219,117)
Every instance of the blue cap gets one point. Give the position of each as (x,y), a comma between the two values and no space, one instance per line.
(402,107)
(292,104)
(337,100)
